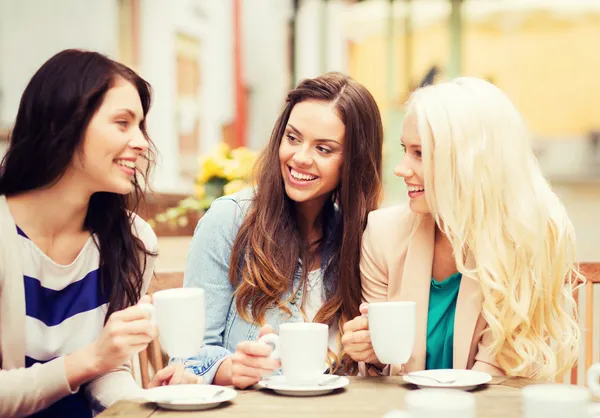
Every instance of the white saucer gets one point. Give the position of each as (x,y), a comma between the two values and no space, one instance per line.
(189,397)
(463,379)
(279,385)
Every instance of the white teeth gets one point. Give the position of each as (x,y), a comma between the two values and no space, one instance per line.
(126,163)
(415,188)
(300,176)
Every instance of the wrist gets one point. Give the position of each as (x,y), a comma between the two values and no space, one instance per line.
(224,376)
(82,366)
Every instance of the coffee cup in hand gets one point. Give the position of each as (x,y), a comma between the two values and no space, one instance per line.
(179,315)
(302,349)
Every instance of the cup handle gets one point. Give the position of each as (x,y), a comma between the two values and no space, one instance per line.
(273,341)
(593,375)
(150,309)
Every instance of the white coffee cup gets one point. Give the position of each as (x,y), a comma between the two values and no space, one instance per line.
(436,403)
(555,401)
(593,379)
(392,328)
(179,315)
(302,349)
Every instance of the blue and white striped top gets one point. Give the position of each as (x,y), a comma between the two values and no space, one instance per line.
(65,311)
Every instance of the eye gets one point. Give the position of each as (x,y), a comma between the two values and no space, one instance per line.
(291,137)
(403,147)
(418,153)
(123,123)
(323,150)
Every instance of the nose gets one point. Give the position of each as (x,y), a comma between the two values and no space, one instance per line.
(302,157)
(403,170)
(139,141)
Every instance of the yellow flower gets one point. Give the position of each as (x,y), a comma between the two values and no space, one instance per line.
(210,167)
(225,163)
(241,163)
(234,186)
(222,150)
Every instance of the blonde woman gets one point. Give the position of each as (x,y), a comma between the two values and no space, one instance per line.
(485,247)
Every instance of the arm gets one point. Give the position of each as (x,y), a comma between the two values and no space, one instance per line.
(373,272)
(208,267)
(484,361)
(106,389)
(25,391)
(374,283)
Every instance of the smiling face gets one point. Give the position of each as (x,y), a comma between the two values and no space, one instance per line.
(113,142)
(410,167)
(311,152)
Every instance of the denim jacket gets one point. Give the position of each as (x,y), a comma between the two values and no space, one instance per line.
(208,267)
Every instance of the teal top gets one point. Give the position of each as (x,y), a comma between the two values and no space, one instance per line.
(440,322)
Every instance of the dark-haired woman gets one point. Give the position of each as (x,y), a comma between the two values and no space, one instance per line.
(288,251)
(74,261)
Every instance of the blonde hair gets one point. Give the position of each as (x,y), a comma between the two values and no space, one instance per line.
(493,203)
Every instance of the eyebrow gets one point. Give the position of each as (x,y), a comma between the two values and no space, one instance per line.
(129,112)
(297,132)
(410,145)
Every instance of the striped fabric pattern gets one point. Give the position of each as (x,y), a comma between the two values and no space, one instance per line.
(65,311)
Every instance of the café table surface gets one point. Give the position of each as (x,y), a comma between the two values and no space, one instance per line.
(363,397)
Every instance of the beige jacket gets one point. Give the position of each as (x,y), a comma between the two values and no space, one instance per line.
(24,391)
(397,266)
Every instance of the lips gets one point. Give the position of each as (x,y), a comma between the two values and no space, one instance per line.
(302,177)
(125,163)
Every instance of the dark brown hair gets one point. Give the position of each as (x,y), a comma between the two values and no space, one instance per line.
(266,250)
(55,110)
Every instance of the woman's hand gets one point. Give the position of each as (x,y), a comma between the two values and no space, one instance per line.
(357,338)
(126,333)
(174,374)
(251,361)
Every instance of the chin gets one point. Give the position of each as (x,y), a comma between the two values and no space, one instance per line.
(419,206)
(298,196)
(120,188)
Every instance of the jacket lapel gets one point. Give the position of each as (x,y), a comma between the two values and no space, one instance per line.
(468,308)
(416,282)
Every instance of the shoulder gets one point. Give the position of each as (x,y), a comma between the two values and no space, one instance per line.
(393,220)
(144,232)
(228,211)
(388,232)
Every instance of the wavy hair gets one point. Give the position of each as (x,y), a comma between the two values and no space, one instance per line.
(266,250)
(492,201)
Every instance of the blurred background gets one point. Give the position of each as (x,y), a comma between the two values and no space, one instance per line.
(220,70)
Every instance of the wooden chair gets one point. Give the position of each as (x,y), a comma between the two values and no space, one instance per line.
(153,355)
(592,273)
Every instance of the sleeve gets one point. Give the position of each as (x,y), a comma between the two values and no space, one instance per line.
(25,391)
(208,268)
(373,271)
(484,361)
(374,283)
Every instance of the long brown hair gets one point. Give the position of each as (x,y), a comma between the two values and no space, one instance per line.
(268,245)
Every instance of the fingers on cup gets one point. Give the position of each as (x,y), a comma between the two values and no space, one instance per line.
(253,348)
(256,362)
(357,324)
